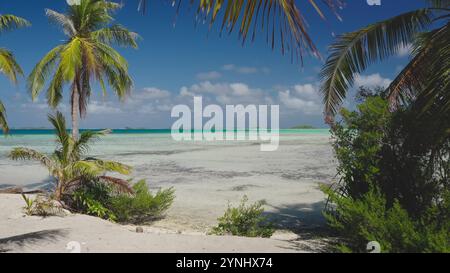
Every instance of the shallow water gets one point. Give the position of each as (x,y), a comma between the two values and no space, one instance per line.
(205,175)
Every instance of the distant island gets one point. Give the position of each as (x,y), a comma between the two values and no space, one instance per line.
(303,127)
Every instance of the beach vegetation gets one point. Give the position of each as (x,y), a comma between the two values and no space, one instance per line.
(69,165)
(394,171)
(424,81)
(8,64)
(140,207)
(86,55)
(143,206)
(41,205)
(246,220)
(92,199)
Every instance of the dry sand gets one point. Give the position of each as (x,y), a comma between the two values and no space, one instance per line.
(206,178)
(20,233)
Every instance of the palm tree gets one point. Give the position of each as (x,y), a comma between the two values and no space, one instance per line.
(68,165)
(87,55)
(423,82)
(8,64)
(277,18)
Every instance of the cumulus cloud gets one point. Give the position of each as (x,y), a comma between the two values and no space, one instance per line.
(152,105)
(373,80)
(306,90)
(245,70)
(151,93)
(225,93)
(97,107)
(301,98)
(207,76)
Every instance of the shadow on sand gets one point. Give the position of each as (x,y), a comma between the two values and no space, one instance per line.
(31,238)
(306,221)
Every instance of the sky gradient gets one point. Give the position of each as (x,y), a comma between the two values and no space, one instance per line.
(174,63)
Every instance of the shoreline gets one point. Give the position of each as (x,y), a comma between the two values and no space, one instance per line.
(206,178)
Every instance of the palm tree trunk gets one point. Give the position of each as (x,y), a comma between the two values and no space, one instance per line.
(58,192)
(75,111)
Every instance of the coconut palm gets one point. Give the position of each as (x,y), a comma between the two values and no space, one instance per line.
(423,82)
(86,56)
(277,18)
(8,64)
(68,164)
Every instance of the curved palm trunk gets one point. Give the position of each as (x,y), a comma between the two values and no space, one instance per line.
(75,101)
(3,121)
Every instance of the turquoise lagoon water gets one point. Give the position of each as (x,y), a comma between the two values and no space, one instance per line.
(155,155)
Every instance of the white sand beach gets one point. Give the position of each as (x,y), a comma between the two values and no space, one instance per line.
(20,233)
(206,177)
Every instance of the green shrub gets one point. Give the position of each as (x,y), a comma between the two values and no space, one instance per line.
(367,219)
(102,200)
(88,204)
(41,206)
(143,206)
(244,220)
(394,170)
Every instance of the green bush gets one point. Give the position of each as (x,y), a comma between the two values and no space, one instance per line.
(400,153)
(244,220)
(367,219)
(89,203)
(143,206)
(394,170)
(102,200)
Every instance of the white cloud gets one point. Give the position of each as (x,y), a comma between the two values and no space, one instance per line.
(306,90)
(151,93)
(373,80)
(404,50)
(245,70)
(298,104)
(96,107)
(207,76)
(240,89)
(228,67)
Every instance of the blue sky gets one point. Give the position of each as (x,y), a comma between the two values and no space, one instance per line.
(174,63)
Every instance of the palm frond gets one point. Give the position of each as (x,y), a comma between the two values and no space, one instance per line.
(113,166)
(42,70)
(116,34)
(115,70)
(431,50)
(10,22)
(71,59)
(85,168)
(30,154)
(64,21)
(95,167)
(65,142)
(55,89)
(82,145)
(353,52)
(434,95)
(281,20)
(119,184)
(3,122)
(439,4)
(9,66)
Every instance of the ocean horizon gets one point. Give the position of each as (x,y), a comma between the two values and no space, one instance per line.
(14,132)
